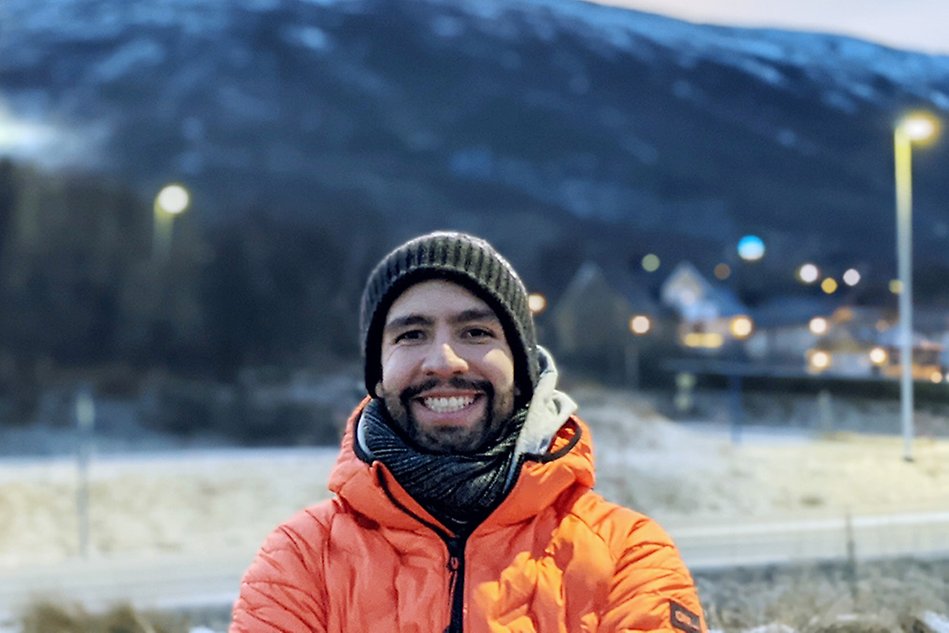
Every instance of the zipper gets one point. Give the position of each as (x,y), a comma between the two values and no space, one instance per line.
(456,561)
(456,583)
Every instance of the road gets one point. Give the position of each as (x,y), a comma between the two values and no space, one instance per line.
(867,537)
(211,579)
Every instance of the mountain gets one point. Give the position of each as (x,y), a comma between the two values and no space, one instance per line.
(555,128)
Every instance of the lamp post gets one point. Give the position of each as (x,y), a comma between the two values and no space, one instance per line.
(171,200)
(916,127)
(639,325)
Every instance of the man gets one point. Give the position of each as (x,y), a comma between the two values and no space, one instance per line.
(463,488)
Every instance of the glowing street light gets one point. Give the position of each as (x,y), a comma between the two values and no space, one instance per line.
(808,273)
(818,326)
(913,128)
(818,360)
(171,201)
(751,248)
(852,277)
(536,303)
(878,356)
(650,262)
(639,324)
(741,326)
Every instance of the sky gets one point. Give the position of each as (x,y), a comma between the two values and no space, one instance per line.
(919,25)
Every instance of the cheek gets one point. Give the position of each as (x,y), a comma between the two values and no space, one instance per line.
(395,366)
(500,364)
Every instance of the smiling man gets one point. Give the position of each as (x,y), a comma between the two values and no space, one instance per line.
(464,494)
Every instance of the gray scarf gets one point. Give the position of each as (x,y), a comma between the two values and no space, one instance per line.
(458,490)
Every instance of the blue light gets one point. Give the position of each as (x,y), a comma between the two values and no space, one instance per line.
(751,248)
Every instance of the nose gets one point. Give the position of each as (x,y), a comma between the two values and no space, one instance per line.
(443,361)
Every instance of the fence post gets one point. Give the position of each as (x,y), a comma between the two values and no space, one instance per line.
(85,414)
(851,557)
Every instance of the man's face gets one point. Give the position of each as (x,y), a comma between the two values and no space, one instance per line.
(447,369)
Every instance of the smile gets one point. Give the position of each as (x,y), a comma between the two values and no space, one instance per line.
(451,404)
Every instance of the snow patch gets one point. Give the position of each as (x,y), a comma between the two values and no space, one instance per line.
(129,58)
(937,623)
(310,37)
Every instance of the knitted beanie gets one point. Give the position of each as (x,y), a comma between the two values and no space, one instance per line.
(471,263)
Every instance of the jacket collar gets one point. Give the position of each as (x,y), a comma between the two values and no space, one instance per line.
(372,491)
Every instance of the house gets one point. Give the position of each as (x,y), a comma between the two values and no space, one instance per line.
(591,317)
(709,314)
(603,326)
(783,332)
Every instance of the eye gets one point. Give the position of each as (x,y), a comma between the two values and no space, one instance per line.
(409,336)
(478,333)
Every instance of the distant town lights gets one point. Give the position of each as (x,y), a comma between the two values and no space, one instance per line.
(741,326)
(751,248)
(829,285)
(536,302)
(808,273)
(723,271)
(851,277)
(651,263)
(705,340)
(639,324)
(818,326)
(879,356)
(818,360)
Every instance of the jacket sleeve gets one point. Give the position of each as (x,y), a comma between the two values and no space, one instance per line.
(283,590)
(652,590)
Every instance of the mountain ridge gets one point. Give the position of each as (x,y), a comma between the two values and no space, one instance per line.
(609,130)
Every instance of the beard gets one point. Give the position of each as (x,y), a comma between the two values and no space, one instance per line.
(498,409)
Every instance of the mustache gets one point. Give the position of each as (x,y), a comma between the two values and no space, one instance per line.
(455,383)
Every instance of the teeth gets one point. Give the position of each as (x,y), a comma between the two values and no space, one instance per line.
(448,405)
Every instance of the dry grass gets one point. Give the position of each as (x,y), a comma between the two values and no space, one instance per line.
(44,617)
(874,596)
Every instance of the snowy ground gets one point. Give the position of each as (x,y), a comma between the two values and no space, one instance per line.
(207,499)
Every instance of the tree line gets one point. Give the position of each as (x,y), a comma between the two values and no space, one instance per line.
(79,284)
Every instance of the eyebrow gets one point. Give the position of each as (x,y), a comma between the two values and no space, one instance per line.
(407,321)
(465,316)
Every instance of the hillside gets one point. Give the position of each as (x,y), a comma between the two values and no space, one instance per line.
(609,131)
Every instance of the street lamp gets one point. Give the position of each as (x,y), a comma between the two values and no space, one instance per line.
(913,128)
(639,325)
(171,200)
(536,303)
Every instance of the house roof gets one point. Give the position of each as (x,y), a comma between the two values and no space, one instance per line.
(722,296)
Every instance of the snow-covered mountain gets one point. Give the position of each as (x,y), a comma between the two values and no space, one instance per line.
(597,128)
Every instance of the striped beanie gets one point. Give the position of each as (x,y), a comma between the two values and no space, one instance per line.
(471,263)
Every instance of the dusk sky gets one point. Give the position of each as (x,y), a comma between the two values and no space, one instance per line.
(908,24)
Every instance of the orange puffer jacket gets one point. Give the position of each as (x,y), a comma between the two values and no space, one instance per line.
(553,557)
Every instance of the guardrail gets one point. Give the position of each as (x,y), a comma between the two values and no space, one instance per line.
(865,537)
